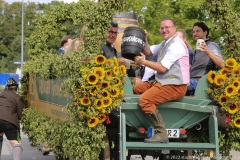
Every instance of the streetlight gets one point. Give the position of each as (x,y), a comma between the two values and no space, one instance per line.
(22,40)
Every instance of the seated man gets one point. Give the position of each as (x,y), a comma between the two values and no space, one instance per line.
(204,60)
(171,79)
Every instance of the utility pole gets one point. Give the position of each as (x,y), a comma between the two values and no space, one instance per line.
(22,40)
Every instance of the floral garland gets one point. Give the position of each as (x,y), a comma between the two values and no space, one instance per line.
(100,89)
(224,89)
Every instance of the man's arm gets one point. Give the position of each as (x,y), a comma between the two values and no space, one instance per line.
(219,62)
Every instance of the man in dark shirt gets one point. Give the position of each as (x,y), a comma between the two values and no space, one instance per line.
(108,49)
(11,108)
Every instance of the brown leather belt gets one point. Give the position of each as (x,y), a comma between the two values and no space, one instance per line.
(197,78)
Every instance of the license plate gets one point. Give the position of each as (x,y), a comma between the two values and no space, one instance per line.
(173,133)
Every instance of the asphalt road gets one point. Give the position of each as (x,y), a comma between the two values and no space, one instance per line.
(31,153)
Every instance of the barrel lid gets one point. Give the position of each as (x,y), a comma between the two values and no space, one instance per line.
(125,15)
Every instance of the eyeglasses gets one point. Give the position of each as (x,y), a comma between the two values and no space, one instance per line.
(112,32)
(167,27)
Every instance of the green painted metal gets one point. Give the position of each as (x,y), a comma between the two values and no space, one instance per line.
(49,91)
(185,113)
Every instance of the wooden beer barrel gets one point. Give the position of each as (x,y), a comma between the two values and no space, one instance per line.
(124,20)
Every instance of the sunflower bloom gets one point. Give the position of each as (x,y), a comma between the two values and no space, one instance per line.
(115,92)
(85,101)
(219,79)
(109,73)
(93,91)
(211,76)
(109,63)
(223,99)
(100,59)
(224,71)
(231,62)
(237,122)
(115,61)
(116,81)
(107,102)
(123,70)
(236,71)
(230,90)
(102,118)
(116,70)
(233,108)
(236,84)
(100,72)
(105,93)
(92,78)
(93,122)
(122,92)
(98,103)
(105,84)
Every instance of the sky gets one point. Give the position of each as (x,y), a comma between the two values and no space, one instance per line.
(40,1)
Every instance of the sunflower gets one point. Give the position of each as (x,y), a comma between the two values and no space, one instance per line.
(233,108)
(98,103)
(236,71)
(231,62)
(219,79)
(223,99)
(102,118)
(85,101)
(93,122)
(109,73)
(230,90)
(122,92)
(116,81)
(105,93)
(224,71)
(109,63)
(100,59)
(93,91)
(237,122)
(115,61)
(123,70)
(107,102)
(116,70)
(105,84)
(211,76)
(236,83)
(100,72)
(92,78)
(115,92)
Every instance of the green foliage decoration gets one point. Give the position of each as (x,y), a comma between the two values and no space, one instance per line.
(70,138)
(224,17)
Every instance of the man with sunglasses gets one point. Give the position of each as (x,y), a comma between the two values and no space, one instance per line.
(11,108)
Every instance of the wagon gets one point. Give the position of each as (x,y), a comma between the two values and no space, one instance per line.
(178,116)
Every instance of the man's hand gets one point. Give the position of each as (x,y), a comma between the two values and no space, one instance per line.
(139,60)
(121,61)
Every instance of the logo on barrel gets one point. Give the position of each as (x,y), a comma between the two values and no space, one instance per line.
(133,39)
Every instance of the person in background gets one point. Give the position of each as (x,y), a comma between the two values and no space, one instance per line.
(65,42)
(171,79)
(182,34)
(208,58)
(75,45)
(11,108)
(108,49)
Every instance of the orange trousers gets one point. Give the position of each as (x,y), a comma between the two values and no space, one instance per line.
(153,93)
